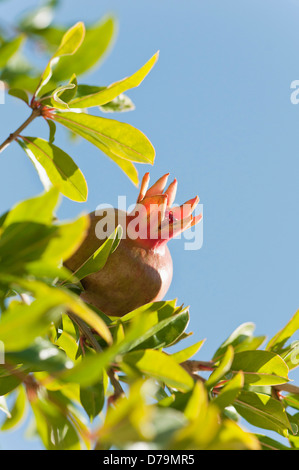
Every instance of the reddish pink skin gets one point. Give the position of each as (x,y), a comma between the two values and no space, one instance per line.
(133,275)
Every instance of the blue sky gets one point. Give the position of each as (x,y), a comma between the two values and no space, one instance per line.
(217,109)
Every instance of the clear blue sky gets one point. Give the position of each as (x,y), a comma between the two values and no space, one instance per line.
(217,109)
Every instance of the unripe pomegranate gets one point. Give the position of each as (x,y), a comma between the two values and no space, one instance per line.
(140,269)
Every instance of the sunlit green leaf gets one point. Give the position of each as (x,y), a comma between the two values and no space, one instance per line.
(239,335)
(52,130)
(108,94)
(222,368)
(17,411)
(70,43)
(59,167)
(4,407)
(97,41)
(41,354)
(278,341)
(97,260)
(22,324)
(185,354)
(261,367)
(230,391)
(121,139)
(161,366)
(70,301)
(37,209)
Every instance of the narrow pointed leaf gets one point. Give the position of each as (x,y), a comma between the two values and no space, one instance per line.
(230,391)
(97,261)
(185,354)
(70,43)
(278,341)
(115,89)
(97,41)
(222,369)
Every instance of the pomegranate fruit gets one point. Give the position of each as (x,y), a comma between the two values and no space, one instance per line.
(140,269)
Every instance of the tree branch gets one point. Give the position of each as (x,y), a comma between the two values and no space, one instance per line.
(35,113)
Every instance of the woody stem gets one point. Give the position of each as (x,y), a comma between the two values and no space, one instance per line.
(35,112)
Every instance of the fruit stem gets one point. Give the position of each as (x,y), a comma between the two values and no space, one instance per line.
(35,112)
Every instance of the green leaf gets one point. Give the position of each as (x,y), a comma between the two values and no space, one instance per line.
(22,324)
(54,426)
(67,238)
(131,420)
(4,407)
(8,384)
(270,444)
(230,391)
(115,89)
(278,341)
(261,367)
(9,48)
(41,355)
(121,139)
(17,411)
(155,325)
(93,397)
(37,209)
(292,401)
(89,370)
(98,39)
(162,334)
(160,366)
(290,355)
(239,335)
(57,101)
(64,298)
(26,242)
(98,259)
(222,369)
(20,94)
(70,90)
(127,167)
(185,354)
(70,43)
(263,411)
(52,130)
(60,169)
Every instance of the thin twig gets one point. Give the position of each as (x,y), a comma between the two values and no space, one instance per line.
(35,112)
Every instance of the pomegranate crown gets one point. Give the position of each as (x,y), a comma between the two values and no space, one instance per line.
(158,220)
